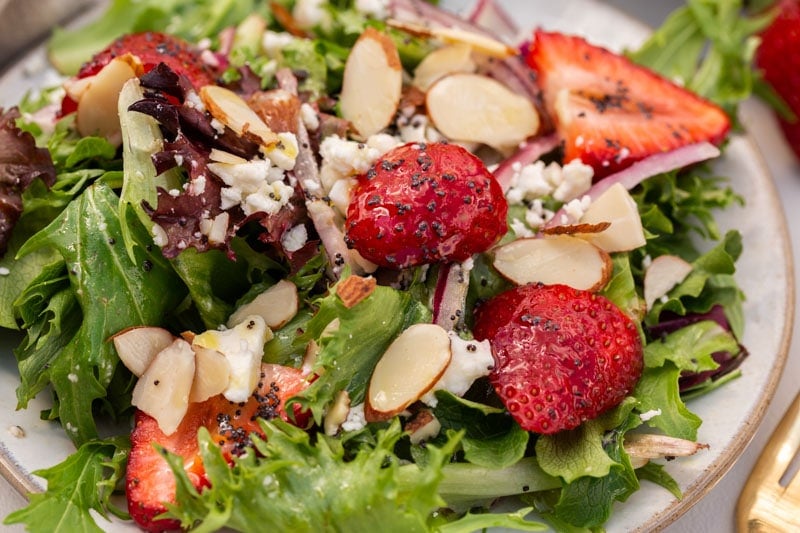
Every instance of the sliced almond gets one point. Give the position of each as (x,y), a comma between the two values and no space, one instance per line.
(354,289)
(337,413)
(221,156)
(560,259)
(422,426)
(662,275)
(211,374)
(138,346)
(411,365)
(641,447)
(278,109)
(372,83)
(230,109)
(163,390)
(481,43)
(97,106)
(441,62)
(576,229)
(616,206)
(475,108)
(277,306)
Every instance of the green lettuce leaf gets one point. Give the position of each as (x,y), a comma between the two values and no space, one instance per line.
(294,484)
(84,481)
(113,292)
(349,353)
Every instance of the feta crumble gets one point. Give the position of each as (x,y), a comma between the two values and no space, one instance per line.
(355,418)
(469,361)
(647,415)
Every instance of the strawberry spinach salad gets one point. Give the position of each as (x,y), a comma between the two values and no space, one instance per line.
(348,265)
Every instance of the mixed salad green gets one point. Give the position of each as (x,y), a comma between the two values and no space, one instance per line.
(81,265)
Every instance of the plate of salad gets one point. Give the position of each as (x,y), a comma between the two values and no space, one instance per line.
(311,265)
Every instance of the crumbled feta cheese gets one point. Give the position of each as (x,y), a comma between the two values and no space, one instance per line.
(72,377)
(576,179)
(309,116)
(193,100)
(355,418)
(341,193)
(243,347)
(274,42)
(647,415)
(4,271)
(412,129)
(574,209)
(343,159)
(309,13)
(229,197)
(215,229)
(469,361)
(174,192)
(218,126)
(295,238)
(197,186)
(528,183)
(268,199)
(520,229)
(284,154)
(376,8)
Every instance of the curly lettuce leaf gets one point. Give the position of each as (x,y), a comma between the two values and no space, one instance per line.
(708,46)
(84,481)
(294,484)
(349,352)
(491,437)
(113,291)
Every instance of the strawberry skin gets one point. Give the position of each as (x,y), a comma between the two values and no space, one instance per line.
(151,48)
(611,112)
(149,480)
(425,203)
(562,355)
(778,57)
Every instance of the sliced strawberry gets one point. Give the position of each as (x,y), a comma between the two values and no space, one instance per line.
(149,480)
(151,48)
(562,355)
(778,57)
(423,204)
(611,112)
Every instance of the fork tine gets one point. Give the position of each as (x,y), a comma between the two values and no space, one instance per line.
(764,504)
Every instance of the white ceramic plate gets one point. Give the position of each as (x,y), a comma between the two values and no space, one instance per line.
(730,414)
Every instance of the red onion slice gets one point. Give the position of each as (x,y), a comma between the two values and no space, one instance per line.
(487,14)
(643,169)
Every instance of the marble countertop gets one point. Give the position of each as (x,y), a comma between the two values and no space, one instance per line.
(716,511)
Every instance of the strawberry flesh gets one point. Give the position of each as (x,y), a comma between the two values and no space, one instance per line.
(562,355)
(611,112)
(778,57)
(149,479)
(423,204)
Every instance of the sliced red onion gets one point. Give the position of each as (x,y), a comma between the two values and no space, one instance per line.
(450,296)
(320,212)
(643,169)
(487,14)
(528,153)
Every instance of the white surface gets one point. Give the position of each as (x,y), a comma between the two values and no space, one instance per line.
(715,513)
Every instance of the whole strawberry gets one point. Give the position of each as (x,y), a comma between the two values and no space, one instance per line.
(778,57)
(562,355)
(424,204)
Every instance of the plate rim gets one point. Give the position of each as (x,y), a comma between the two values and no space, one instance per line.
(25,483)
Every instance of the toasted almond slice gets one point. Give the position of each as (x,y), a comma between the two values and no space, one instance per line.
(481,43)
(211,374)
(277,306)
(337,413)
(230,109)
(372,83)
(163,390)
(616,206)
(422,426)
(441,62)
(560,259)
(138,346)
(411,365)
(221,156)
(354,289)
(662,275)
(97,107)
(475,108)
(576,229)
(641,447)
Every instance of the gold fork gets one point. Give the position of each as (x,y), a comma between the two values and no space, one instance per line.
(769,503)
